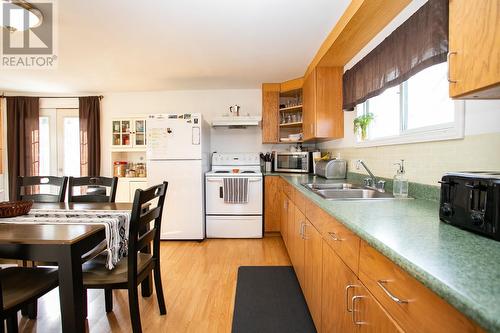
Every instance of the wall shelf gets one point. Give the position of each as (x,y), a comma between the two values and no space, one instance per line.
(297,124)
(291,108)
(291,141)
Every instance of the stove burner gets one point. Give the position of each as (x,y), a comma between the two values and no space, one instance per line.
(248,172)
(222,171)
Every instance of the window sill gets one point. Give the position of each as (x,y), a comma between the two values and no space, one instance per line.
(427,136)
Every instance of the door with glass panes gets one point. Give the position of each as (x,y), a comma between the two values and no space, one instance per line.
(59,136)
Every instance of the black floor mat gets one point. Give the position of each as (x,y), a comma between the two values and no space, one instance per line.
(269,299)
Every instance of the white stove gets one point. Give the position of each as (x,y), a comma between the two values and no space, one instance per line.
(233,196)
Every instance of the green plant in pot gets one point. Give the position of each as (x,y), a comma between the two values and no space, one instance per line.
(361,124)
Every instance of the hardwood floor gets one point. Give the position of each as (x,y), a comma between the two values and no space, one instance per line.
(199,280)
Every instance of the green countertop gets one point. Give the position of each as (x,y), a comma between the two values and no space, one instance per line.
(461,267)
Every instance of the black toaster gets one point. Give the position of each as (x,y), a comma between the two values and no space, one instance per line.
(471,201)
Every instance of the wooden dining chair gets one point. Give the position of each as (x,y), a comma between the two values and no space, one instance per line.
(140,263)
(20,287)
(27,188)
(96,188)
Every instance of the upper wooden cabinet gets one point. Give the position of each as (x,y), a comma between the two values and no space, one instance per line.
(270,113)
(323,117)
(474,57)
(282,111)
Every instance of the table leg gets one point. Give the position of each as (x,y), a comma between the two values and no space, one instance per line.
(71,290)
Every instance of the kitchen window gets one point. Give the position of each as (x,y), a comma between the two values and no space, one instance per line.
(417,110)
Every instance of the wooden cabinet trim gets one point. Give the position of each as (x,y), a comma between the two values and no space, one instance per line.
(293,84)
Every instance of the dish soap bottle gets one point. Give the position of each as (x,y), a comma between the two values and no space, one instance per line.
(400,183)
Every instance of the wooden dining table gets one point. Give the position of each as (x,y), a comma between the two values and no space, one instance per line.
(63,244)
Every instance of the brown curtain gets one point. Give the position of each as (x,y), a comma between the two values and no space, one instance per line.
(420,42)
(90,136)
(22,139)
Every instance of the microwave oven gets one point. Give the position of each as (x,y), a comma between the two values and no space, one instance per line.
(300,162)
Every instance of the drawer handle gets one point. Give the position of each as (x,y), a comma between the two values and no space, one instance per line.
(335,237)
(349,286)
(388,293)
(353,313)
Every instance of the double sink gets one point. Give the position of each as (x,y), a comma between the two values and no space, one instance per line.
(348,191)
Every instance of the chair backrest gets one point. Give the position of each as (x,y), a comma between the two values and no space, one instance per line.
(95,189)
(140,232)
(28,188)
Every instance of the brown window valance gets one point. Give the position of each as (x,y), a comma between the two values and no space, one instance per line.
(420,42)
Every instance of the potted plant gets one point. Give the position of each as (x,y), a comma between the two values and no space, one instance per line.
(361,124)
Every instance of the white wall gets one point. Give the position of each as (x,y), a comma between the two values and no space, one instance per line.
(210,103)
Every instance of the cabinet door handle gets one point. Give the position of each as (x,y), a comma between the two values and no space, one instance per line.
(302,230)
(381,284)
(448,56)
(335,237)
(305,232)
(353,313)
(349,286)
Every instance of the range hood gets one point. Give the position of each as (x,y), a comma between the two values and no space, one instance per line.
(236,121)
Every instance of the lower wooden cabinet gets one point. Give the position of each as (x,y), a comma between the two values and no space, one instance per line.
(272,203)
(297,246)
(348,285)
(290,221)
(370,316)
(313,266)
(347,305)
(338,289)
(284,203)
(413,306)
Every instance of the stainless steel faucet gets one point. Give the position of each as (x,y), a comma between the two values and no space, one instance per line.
(372,181)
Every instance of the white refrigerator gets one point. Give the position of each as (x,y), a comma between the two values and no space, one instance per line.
(178,152)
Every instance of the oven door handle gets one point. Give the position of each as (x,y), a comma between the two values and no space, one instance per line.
(250,179)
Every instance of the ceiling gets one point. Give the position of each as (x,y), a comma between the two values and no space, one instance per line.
(125,45)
